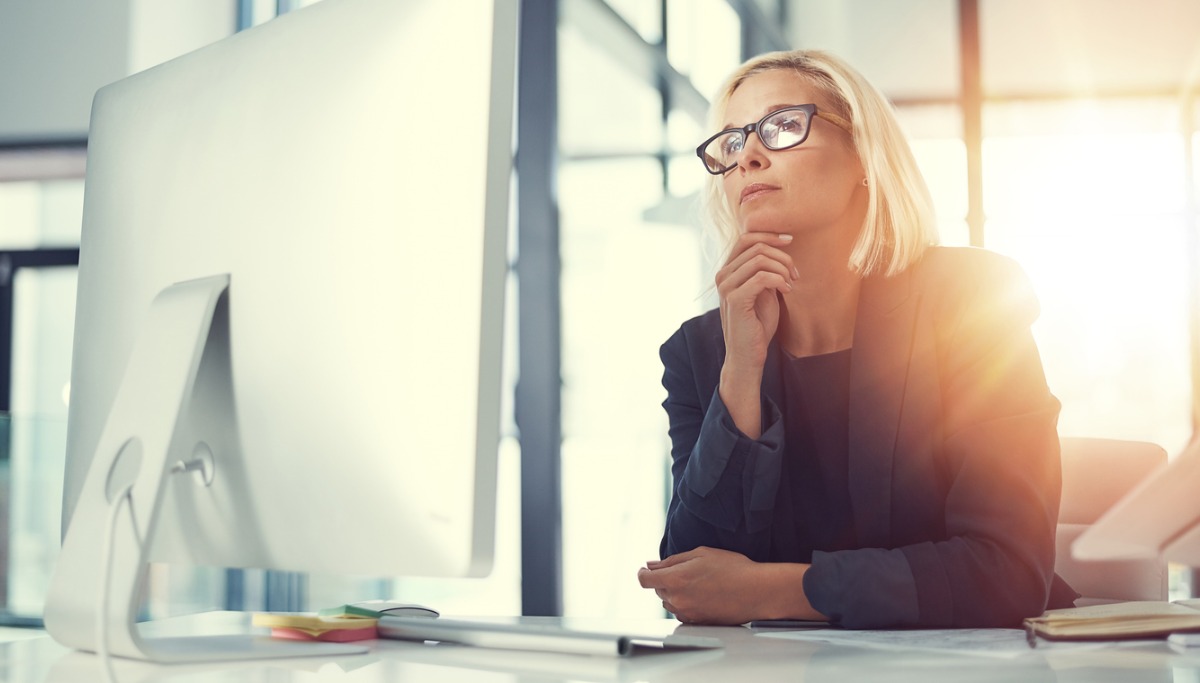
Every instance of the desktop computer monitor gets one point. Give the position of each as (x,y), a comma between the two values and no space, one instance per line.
(287,343)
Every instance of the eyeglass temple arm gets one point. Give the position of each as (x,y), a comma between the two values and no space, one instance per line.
(836,120)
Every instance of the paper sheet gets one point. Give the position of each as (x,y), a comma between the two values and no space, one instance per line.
(989,642)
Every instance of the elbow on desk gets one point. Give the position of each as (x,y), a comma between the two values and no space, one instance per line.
(999,592)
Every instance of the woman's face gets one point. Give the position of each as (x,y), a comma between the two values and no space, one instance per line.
(814,186)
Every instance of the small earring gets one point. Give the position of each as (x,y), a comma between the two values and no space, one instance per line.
(865,183)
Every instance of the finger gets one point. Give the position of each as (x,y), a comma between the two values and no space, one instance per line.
(745,299)
(745,252)
(669,607)
(657,579)
(734,276)
(767,249)
(647,579)
(677,558)
(757,259)
(749,239)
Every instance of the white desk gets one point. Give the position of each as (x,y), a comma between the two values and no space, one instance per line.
(746,657)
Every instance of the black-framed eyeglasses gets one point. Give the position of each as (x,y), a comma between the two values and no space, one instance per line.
(781,129)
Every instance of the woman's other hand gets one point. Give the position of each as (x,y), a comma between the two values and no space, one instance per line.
(711,586)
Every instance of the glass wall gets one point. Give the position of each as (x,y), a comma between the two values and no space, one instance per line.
(935,134)
(632,272)
(1100,223)
(1098,220)
(36,214)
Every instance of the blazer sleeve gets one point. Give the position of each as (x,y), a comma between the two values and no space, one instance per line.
(999,461)
(723,482)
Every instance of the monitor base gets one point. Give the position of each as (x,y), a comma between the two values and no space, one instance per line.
(182,649)
(145,441)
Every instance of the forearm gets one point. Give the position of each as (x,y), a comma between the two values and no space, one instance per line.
(724,482)
(685,530)
(741,392)
(963,582)
(781,592)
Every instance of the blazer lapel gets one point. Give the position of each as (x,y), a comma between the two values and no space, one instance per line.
(883,338)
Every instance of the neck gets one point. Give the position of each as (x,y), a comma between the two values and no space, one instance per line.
(818,314)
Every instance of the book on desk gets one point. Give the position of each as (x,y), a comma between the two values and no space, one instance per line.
(1117,621)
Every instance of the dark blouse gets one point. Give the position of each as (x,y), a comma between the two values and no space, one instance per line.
(814,508)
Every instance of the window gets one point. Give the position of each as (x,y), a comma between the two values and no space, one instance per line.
(632,271)
(41,214)
(935,135)
(1089,197)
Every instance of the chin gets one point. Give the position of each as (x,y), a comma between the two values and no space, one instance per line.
(762,223)
(767,226)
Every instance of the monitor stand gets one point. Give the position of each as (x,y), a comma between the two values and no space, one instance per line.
(146,439)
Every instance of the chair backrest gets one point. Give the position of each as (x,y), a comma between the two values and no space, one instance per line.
(1096,473)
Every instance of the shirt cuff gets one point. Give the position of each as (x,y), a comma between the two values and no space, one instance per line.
(730,479)
(760,478)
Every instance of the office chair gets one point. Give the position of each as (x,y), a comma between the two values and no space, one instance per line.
(1096,473)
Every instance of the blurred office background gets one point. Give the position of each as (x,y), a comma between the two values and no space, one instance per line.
(1059,132)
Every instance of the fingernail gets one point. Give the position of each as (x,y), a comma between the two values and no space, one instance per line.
(785,237)
(795,273)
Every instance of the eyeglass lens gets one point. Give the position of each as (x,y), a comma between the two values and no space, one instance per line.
(779,130)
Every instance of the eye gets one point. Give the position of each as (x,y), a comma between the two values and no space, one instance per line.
(791,122)
(784,129)
(731,144)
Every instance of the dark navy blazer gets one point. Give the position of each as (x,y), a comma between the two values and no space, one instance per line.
(953,460)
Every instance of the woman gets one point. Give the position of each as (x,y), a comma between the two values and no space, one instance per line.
(862,433)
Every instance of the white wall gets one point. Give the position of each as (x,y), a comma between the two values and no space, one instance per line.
(164,29)
(910,48)
(55,54)
(907,49)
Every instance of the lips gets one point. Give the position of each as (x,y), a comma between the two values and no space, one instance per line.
(755,190)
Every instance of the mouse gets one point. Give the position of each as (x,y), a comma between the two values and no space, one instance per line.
(393,608)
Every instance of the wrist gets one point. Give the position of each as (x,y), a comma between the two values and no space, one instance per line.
(740,386)
(783,592)
(741,394)
(736,372)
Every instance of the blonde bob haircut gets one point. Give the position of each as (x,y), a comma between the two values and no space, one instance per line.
(899,223)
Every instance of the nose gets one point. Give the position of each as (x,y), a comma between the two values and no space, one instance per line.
(754,153)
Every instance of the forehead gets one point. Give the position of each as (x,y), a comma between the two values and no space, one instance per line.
(763,92)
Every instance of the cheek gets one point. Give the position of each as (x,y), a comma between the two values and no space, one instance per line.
(727,188)
(729,193)
(828,178)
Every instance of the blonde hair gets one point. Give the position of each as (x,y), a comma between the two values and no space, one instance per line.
(899,223)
